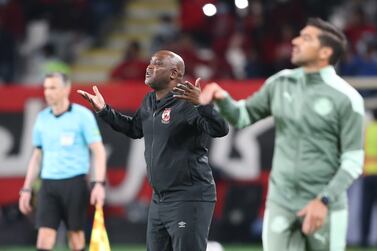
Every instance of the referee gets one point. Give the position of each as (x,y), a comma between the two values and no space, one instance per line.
(63,135)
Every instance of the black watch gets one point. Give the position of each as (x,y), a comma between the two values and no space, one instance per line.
(25,190)
(103,183)
(325,200)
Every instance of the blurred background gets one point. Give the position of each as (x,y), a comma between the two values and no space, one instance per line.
(109,42)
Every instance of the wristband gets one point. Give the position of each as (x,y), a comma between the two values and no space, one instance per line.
(103,183)
(25,190)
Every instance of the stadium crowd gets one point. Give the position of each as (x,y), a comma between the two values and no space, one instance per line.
(235,43)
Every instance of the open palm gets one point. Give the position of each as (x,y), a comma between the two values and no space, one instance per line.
(188,91)
(96,100)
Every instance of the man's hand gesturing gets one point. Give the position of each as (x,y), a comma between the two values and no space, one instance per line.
(97,101)
(188,91)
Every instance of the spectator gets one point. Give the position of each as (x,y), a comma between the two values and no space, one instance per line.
(133,65)
(284,48)
(7,55)
(364,64)
(253,68)
(193,21)
(52,63)
(186,47)
(166,33)
(236,54)
(357,27)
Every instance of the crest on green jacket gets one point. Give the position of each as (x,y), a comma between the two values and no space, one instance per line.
(323,106)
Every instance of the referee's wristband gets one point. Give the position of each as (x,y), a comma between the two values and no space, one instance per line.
(103,183)
(25,190)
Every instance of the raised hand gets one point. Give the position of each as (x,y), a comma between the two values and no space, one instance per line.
(97,101)
(188,91)
(211,92)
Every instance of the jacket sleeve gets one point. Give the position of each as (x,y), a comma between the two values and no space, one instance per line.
(130,126)
(247,111)
(207,119)
(351,118)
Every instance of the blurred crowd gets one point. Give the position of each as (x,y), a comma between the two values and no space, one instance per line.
(36,35)
(233,44)
(256,42)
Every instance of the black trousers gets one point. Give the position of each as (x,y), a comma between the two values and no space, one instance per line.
(369,198)
(179,226)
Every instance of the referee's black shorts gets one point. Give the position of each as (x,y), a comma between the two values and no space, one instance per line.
(63,200)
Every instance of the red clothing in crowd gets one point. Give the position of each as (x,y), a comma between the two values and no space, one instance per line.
(130,70)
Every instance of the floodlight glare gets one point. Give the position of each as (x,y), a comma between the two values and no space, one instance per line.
(209,9)
(241,4)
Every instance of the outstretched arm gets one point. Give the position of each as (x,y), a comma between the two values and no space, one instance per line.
(239,113)
(233,111)
(130,126)
(212,93)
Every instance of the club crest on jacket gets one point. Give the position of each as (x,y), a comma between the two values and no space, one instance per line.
(166,116)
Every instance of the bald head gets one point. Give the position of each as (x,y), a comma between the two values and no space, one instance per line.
(176,61)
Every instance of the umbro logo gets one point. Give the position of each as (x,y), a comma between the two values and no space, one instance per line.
(182,224)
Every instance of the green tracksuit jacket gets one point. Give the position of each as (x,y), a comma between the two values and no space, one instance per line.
(319,134)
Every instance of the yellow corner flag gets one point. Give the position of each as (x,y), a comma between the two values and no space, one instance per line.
(99,240)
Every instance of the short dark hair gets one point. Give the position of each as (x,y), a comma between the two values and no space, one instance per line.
(330,36)
(64,77)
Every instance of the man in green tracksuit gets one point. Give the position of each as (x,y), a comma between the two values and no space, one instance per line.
(318,146)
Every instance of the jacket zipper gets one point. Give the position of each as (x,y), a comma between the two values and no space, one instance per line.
(298,166)
(154,114)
